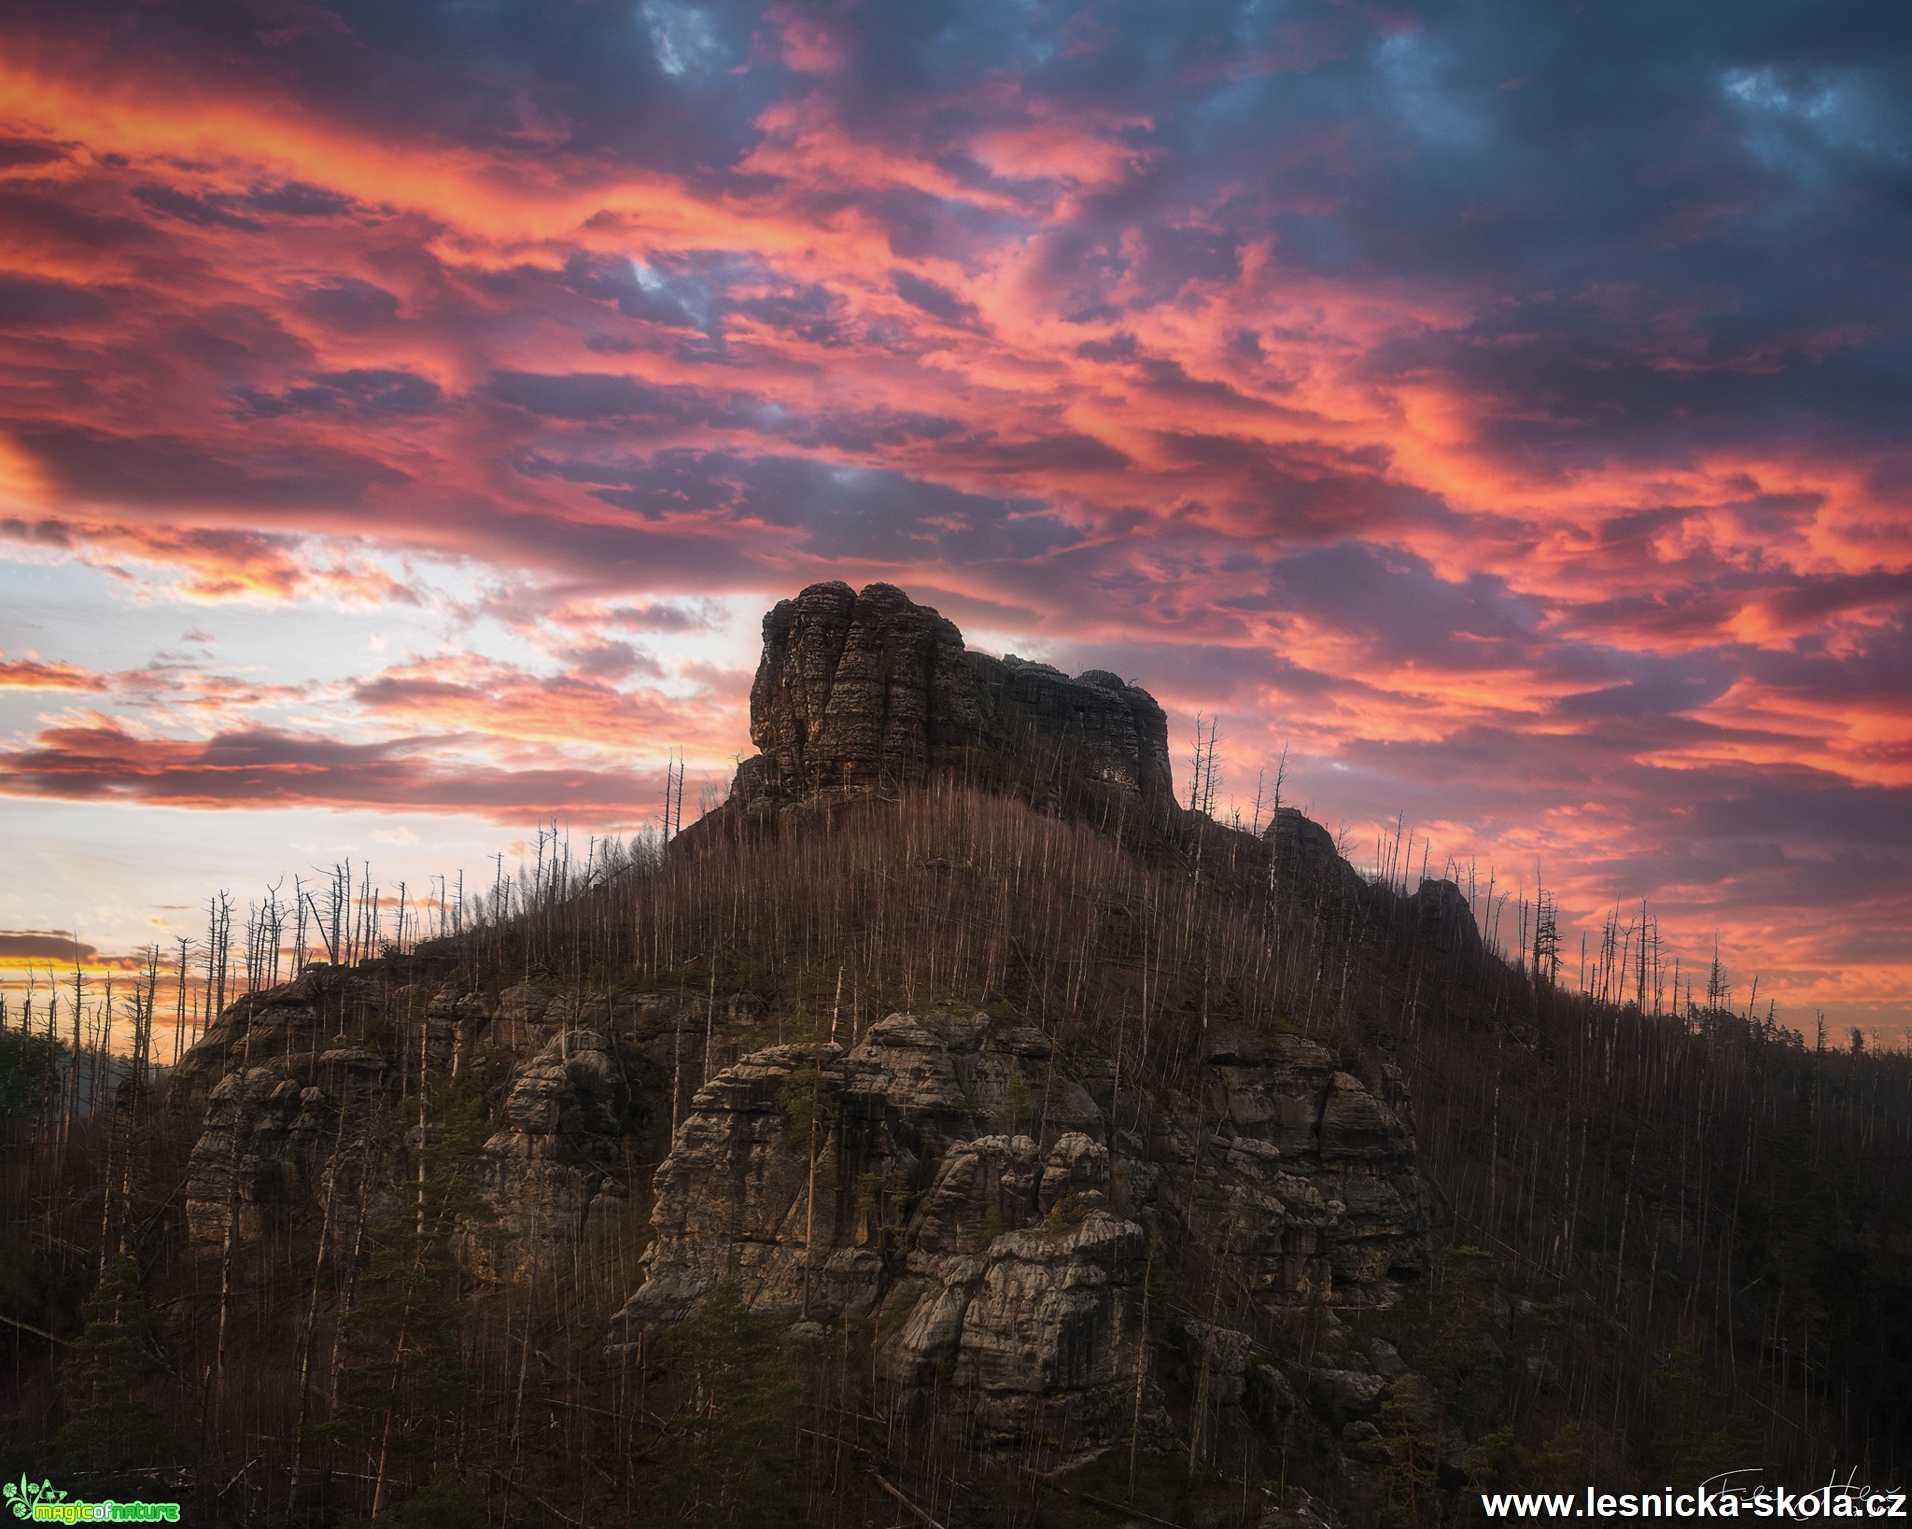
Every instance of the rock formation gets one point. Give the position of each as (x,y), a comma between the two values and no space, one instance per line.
(861,693)
(858,692)
(561,1157)
(1306,853)
(272,1137)
(972,1197)
(1446,922)
(985,1198)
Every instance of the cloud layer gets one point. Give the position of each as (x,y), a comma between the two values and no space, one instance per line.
(1502,406)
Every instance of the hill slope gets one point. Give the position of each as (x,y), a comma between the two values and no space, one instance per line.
(953,1126)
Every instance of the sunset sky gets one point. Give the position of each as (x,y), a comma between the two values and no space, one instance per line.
(407,412)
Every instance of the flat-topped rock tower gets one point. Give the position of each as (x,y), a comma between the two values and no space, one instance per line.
(857,692)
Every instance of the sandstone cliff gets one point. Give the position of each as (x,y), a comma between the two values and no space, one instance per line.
(988,1203)
(971,1191)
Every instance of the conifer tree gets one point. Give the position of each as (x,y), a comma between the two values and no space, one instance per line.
(108,1423)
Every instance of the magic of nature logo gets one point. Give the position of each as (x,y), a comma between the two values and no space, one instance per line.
(45,1503)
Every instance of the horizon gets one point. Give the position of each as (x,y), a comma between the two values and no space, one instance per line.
(407,416)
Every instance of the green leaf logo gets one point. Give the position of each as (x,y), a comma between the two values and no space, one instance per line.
(23,1494)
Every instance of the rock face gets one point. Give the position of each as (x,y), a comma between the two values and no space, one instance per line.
(1039,1327)
(561,1158)
(732,1200)
(992,1266)
(300,1016)
(273,1135)
(860,691)
(1310,1175)
(955,1181)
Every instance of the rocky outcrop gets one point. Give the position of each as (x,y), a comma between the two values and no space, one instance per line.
(561,1158)
(961,1185)
(566,1111)
(273,1136)
(1037,1326)
(857,692)
(1308,1177)
(304,1016)
(733,1201)
(1306,855)
(1444,923)
(1039,1330)
(991,1267)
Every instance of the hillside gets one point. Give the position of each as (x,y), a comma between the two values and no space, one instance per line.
(953,1128)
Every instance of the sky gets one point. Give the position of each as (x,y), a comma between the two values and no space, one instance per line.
(408,411)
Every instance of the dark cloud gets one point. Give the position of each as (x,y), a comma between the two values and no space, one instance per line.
(346,303)
(40,218)
(640,291)
(53,946)
(1171,379)
(662,618)
(208,211)
(263,768)
(366,393)
(878,516)
(246,212)
(1066,452)
(144,471)
(1402,611)
(937,301)
(581,396)
(236,339)
(1544,376)
(16,152)
(296,199)
(611,660)
(811,313)
(29,304)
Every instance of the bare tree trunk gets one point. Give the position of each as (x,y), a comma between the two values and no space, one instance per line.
(312,1317)
(710,1014)
(225,1281)
(810,1209)
(1141,1367)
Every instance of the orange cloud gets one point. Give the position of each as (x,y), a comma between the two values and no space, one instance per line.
(31,674)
